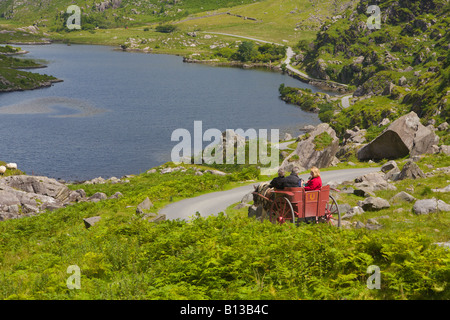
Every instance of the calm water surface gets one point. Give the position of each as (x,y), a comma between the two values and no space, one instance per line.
(115,112)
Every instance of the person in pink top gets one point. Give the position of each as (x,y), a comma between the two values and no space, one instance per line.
(314,182)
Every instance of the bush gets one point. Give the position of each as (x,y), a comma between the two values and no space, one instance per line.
(166,28)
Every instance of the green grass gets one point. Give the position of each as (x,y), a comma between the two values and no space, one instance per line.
(222,257)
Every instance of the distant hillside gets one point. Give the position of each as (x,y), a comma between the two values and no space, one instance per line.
(107,13)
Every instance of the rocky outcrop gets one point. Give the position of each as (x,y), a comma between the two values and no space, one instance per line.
(24,196)
(310,152)
(114,4)
(404,136)
(38,185)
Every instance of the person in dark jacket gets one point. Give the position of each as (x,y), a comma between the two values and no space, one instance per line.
(292,180)
(277,182)
(315,182)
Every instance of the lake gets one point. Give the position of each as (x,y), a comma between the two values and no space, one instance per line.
(115,112)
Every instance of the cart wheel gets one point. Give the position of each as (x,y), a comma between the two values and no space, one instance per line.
(332,212)
(281,211)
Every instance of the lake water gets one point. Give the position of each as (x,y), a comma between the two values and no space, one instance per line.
(115,112)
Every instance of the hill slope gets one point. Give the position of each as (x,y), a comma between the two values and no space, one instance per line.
(403,66)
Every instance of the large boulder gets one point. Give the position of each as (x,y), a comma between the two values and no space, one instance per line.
(404,136)
(317,148)
(38,185)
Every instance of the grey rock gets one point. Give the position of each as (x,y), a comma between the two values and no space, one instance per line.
(443,244)
(364,192)
(392,174)
(359,225)
(27,208)
(89,222)
(144,206)
(402,196)
(427,206)
(158,218)
(247,198)
(443,126)
(446,189)
(38,185)
(344,208)
(410,171)
(374,204)
(98,196)
(404,136)
(116,195)
(388,166)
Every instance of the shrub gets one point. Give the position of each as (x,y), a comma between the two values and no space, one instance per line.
(166,28)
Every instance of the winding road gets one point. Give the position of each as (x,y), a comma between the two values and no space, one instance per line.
(289,55)
(216,202)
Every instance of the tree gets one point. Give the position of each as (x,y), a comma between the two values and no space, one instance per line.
(247,51)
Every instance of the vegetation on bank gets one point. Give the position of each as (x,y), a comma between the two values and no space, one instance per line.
(12,79)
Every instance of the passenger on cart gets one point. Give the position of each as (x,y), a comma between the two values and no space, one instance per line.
(292,180)
(277,182)
(314,181)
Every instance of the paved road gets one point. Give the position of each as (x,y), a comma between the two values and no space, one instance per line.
(213,203)
(345,103)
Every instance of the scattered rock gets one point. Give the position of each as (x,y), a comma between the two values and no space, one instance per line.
(443,126)
(359,225)
(287,137)
(158,218)
(89,222)
(446,189)
(427,206)
(410,171)
(443,244)
(389,166)
(98,196)
(402,196)
(374,204)
(144,206)
(116,195)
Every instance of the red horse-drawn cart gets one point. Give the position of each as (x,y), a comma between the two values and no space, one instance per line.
(296,205)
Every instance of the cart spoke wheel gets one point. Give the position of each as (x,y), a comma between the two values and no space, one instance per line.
(281,211)
(332,214)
